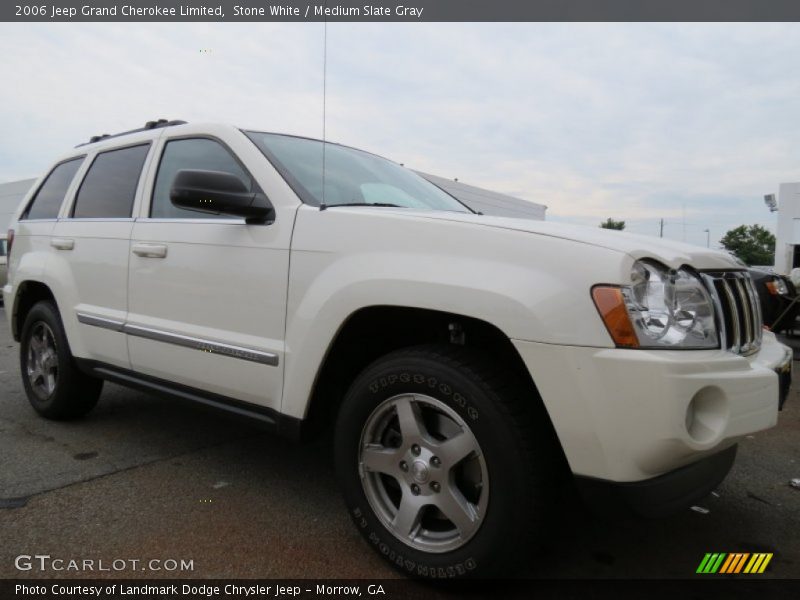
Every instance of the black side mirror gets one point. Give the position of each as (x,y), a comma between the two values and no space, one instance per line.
(217,192)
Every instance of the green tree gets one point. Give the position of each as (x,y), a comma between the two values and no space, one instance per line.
(753,244)
(612,224)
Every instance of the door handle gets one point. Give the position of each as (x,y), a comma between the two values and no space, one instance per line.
(62,243)
(150,250)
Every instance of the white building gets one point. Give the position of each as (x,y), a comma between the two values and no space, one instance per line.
(487,201)
(787,239)
(10,196)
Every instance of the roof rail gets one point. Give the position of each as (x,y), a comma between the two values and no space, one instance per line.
(157,124)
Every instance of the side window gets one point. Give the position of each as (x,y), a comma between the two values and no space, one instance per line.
(109,188)
(47,201)
(199,153)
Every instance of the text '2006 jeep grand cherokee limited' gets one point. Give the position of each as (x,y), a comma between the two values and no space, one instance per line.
(461,359)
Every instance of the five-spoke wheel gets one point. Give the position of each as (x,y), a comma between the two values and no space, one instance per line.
(423,472)
(420,435)
(42,367)
(54,384)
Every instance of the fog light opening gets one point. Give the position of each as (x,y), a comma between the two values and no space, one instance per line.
(707,415)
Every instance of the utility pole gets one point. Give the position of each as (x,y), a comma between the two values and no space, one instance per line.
(661,230)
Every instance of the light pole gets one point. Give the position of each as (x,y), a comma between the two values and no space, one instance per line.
(708,237)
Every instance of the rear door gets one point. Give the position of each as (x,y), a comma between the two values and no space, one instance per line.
(36,222)
(91,243)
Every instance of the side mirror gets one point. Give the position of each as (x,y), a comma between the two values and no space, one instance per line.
(217,192)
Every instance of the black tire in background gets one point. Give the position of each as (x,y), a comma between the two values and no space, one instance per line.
(55,387)
(515,446)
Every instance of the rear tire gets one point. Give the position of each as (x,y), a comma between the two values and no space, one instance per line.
(55,387)
(446,463)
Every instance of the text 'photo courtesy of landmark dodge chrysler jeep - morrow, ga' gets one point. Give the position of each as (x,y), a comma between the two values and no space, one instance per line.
(464,362)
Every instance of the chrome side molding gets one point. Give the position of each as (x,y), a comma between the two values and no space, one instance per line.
(167,337)
(102,322)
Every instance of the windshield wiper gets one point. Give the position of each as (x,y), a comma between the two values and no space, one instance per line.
(386,204)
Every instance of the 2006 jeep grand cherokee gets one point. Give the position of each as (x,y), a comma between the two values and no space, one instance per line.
(460,359)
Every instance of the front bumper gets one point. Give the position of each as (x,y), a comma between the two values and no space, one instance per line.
(784,373)
(631,415)
(660,496)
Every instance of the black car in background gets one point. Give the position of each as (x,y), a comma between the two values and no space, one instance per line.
(778,296)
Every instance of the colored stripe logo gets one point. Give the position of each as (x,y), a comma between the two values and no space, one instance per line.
(734,563)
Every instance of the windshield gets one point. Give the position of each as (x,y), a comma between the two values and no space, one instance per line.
(351,176)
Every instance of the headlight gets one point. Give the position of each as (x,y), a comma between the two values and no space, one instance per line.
(777,287)
(662,308)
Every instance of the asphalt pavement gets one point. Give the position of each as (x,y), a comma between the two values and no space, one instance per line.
(143,478)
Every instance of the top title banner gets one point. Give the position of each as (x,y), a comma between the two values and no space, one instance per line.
(401,10)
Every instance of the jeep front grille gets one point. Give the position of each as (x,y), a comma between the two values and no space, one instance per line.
(738,310)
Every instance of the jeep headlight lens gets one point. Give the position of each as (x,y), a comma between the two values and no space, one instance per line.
(665,308)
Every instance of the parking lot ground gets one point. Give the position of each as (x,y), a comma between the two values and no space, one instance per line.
(147,478)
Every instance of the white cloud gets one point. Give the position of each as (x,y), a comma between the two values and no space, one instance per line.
(635,121)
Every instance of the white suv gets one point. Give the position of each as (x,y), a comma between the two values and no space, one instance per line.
(462,360)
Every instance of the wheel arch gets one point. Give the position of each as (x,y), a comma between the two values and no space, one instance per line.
(28,293)
(371,332)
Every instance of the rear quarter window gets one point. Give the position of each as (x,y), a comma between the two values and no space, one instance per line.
(47,201)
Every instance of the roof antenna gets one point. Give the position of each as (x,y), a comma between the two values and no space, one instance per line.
(322,205)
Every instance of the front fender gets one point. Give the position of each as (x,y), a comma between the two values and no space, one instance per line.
(529,287)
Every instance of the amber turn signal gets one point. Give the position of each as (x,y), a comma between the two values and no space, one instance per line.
(611,306)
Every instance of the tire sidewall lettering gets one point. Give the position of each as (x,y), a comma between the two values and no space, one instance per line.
(445,391)
(411,566)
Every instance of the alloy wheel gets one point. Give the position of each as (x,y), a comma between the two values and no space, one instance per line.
(423,472)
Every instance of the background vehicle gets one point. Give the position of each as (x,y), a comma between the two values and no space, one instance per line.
(462,370)
(778,297)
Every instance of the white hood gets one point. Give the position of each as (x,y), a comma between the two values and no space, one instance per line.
(673,254)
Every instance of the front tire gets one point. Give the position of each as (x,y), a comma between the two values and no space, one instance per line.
(445,463)
(55,387)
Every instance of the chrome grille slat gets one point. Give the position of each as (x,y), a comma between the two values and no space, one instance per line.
(748,316)
(738,308)
(736,339)
(709,281)
(757,317)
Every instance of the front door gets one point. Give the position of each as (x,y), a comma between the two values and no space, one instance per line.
(207,294)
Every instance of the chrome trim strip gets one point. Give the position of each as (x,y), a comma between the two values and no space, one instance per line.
(102,322)
(240,352)
(95,219)
(198,221)
(249,354)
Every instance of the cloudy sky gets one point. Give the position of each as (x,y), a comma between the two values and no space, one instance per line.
(691,123)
